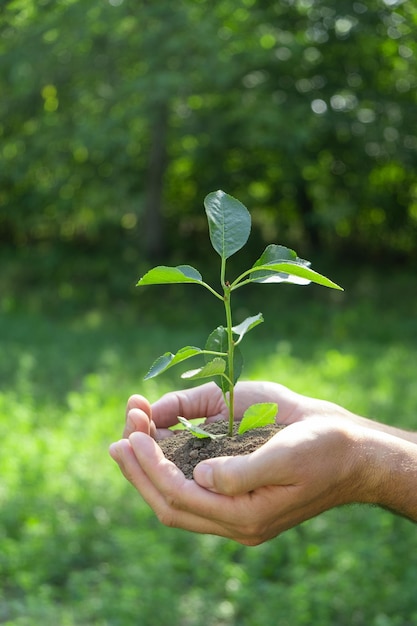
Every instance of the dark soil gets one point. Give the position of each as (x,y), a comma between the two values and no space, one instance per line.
(186,450)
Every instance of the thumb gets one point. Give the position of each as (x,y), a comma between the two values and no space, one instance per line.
(234,475)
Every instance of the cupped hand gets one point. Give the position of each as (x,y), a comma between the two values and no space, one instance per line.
(306,468)
(302,471)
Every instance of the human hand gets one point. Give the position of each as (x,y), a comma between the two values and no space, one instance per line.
(308,467)
(305,469)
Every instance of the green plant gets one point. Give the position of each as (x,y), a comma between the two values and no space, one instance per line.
(229,224)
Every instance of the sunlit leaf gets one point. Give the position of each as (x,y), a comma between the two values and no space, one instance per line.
(258,415)
(213,368)
(197,431)
(167,360)
(247,325)
(278,254)
(290,271)
(164,275)
(275,252)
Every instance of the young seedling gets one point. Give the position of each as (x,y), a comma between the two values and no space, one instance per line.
(229,224)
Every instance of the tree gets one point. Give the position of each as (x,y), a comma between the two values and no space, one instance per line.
(120,118)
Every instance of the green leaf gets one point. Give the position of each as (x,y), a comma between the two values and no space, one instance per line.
(278,254)
(213,368)
(217,342)
(163,275)
(229,223)
(274,252)
(167,360)
(247,325)
(292,272)
(258,415)
(197,431)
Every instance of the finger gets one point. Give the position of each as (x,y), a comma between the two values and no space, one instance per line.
(137,401)
(163,506)
(230,476)
(271,464)
(202,401)
(136,420)
(181,503)
(181,494)
(138,415)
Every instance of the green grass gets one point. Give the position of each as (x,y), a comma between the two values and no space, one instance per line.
(78,547)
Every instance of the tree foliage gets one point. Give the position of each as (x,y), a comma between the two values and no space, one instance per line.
(119,117)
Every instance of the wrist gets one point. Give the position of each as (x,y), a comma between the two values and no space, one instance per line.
(387,472)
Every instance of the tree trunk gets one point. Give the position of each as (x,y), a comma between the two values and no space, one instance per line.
(153,222)
(308,219)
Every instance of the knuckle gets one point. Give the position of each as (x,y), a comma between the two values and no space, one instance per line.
(171,500)
(127,474)
(167,513)
(226,483)
(231,477)
(132,402)
(166,518)
(252,542)
(254,533)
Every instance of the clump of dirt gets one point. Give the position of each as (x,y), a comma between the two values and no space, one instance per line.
(186,450)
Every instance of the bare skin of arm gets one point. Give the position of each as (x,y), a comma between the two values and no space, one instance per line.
(326,457)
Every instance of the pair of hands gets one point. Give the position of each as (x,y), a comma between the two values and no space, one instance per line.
(314,464)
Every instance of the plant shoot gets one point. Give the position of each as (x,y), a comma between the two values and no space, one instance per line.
(229,225)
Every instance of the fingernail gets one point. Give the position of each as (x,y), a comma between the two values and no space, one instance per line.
(203,475)
(113,450)
(116,451)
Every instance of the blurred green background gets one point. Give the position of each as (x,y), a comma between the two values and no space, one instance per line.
(116,119)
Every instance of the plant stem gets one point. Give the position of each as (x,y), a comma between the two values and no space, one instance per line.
(218,295)
(230,353)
